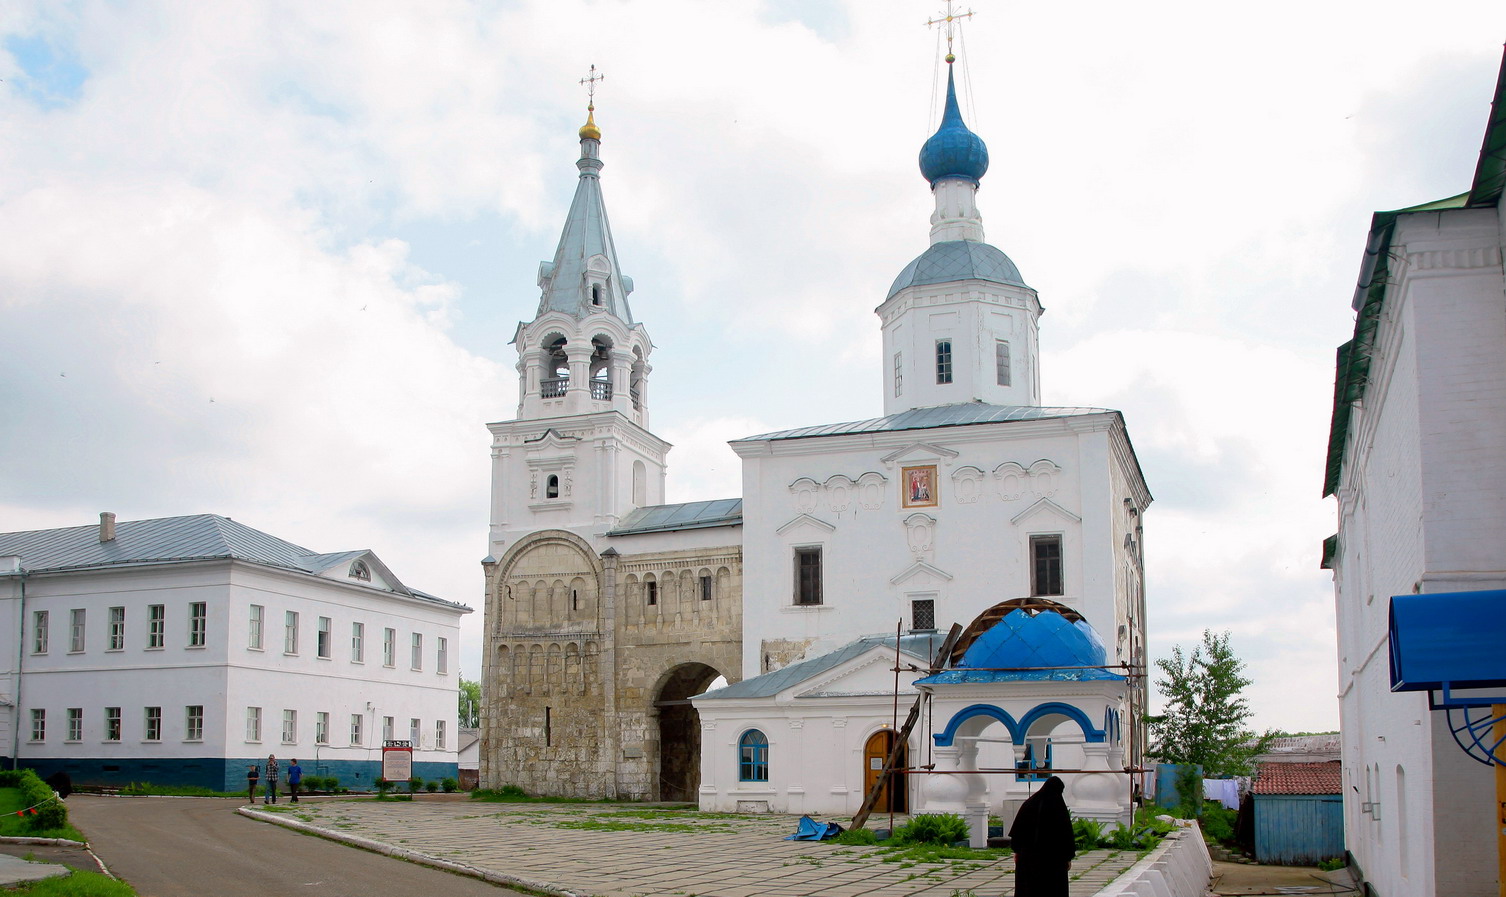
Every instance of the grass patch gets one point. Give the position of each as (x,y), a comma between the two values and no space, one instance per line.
(147,788)
(11,825)
(79,884)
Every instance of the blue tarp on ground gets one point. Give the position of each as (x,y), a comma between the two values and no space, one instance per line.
(811,830)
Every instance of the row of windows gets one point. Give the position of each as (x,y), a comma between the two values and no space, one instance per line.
(705,588)
(357,733)
(1002,367)
(193,726)
(151,724)
(1046,573)
(115,632)
(324,641)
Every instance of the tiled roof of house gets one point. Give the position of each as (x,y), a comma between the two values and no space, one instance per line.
(1298,778)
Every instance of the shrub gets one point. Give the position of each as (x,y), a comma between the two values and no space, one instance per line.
(136,789)
(331,784)
(1218,822)
(50,812)
(383,786)
(1087,833)
(449,785)
(933,828)
(1138,838)
(431,786)
(414,783)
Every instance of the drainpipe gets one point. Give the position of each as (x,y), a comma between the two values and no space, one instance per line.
(15,749)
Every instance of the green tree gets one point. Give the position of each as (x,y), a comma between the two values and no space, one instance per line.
(470,703)
(1204,720)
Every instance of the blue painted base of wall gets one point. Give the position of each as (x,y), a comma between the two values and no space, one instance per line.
(217,773)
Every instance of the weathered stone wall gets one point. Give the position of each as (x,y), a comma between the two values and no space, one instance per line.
(588,667)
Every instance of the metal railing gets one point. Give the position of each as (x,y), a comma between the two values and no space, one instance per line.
(554,387)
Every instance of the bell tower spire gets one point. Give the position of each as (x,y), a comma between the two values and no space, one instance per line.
(583,352)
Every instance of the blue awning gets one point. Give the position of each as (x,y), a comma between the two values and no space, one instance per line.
(1448,641)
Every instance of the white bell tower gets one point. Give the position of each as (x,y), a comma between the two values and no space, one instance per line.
(579,456)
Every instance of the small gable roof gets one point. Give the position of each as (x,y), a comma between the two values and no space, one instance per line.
(1298,778)
(922,645)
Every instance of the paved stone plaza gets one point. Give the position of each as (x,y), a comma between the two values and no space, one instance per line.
(627,850)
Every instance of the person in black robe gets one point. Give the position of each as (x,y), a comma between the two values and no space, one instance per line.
(1043,843)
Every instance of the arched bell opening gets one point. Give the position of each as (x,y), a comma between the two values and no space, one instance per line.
(601,367)
(556,379)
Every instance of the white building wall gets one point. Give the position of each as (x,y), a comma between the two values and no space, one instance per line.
(226,676)
(878,556)
(1422,504)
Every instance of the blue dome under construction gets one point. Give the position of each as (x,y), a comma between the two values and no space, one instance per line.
(953,151)
(1027,639)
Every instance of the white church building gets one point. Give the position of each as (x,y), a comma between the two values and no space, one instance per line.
(854,547)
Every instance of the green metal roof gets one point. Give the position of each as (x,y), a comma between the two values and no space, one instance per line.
(1353,362)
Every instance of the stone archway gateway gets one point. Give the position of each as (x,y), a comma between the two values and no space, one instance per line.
(680,730)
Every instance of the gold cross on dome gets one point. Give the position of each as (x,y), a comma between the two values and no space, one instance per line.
(589,82)
(950,19)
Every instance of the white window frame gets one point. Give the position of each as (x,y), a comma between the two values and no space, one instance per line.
(253,725)
(289,726)
(415,730)
(38,725)
(1003,365)
(321,727)
(417,651)
(39,624)
(323,638)
(151,724)
(77,630)
(156,627)
(439,734)
(442,656)
(112,724)
(290,632)
(198,624)
(116,641)
(357,723)
(193,722)
(388,727)
(75,725)
(357,642)
(389,647)
(257,619)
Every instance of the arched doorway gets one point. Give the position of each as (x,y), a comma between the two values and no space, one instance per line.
(680,731)
(892,796)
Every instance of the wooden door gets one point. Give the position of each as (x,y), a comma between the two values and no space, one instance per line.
(892,795)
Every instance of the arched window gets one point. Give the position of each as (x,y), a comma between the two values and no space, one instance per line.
(596,294)
(640,484)
(359,570)
(753,757)
(552,487)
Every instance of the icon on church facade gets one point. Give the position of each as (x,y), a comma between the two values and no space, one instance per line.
(919,485)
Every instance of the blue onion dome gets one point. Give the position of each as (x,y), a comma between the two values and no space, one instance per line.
(1026,639)
(953,151)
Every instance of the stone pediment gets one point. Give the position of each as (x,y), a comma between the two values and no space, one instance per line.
(807,522)
(1048,507)
(920,573)
(920,451)
(871,672)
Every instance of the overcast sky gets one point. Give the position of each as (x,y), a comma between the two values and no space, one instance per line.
(264,259)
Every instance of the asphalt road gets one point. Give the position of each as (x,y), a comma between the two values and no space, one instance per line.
(200,847)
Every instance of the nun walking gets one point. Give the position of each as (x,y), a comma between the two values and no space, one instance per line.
(1043,843)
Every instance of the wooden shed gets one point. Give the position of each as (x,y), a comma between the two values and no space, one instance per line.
(1299,813)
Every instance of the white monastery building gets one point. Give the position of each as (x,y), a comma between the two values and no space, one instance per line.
(183,649)
(854,546)
(1417,461)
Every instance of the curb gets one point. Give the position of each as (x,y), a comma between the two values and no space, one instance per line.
(412,856)
(62,842)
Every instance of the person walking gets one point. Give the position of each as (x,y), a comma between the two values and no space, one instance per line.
(295,778)
(271,795)
(1043,844)
(253,775)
